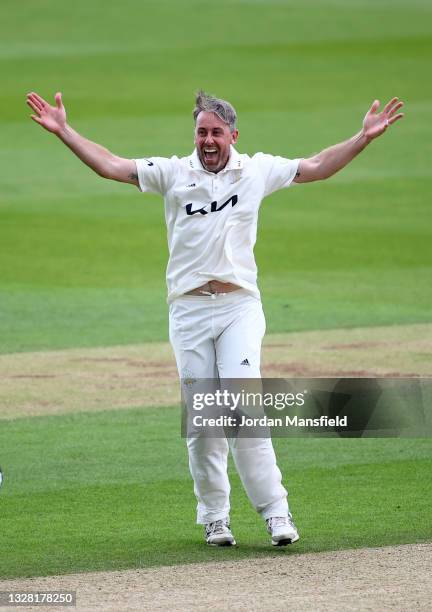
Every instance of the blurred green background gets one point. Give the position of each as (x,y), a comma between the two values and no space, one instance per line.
(82,259)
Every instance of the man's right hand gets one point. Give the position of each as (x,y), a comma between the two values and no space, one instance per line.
(99,159)
(52,118)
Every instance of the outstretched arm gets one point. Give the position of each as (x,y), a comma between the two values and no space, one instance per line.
(331,160)
(99,159)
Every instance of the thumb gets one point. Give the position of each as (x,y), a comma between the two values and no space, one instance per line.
(58,99)
(375,106)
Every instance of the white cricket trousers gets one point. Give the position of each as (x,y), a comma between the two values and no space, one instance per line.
(212,337)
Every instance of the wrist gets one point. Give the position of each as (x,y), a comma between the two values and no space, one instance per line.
(364,138)
(64,132)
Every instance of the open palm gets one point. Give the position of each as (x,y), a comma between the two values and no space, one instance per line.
(374,123)
(52,118)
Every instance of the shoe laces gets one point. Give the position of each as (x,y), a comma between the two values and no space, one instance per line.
(280,521)
(217,527)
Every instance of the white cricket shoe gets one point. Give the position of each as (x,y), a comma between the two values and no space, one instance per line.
(218,533)
(282,530)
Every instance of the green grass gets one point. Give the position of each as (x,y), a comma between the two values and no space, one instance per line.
(82,260)
(112,490)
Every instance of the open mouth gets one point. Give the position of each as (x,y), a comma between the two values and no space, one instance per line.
(210,154)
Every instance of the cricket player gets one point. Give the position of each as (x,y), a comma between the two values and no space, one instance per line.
(216,322)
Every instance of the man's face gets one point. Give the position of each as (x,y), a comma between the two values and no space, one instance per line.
(213,139)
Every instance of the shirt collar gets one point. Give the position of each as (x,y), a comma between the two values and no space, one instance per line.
(235,161)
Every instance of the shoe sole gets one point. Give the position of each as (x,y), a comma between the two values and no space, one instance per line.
(285,541)
(225,543)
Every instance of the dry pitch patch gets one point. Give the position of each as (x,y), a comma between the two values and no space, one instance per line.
(389,578)
(73,380)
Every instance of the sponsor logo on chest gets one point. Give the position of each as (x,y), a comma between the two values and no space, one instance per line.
(212,207)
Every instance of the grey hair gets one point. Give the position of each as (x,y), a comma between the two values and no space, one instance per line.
(223,109)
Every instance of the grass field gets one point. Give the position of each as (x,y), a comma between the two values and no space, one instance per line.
(88,488)
(82,260)
(112,490)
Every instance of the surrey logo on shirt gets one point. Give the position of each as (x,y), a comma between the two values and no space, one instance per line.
(213,206)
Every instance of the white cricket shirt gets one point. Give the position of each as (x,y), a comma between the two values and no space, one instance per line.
(212,218)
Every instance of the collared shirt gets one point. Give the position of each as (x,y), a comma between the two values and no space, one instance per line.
(212,218)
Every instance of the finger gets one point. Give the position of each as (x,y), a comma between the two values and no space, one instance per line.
(395,108)
(39,99)
(388,106)
(35,101)
(33,106)
(395,118)
(58,99)
(37,119)
(375,106)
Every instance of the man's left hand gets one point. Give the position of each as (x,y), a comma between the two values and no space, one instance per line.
(375,124)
